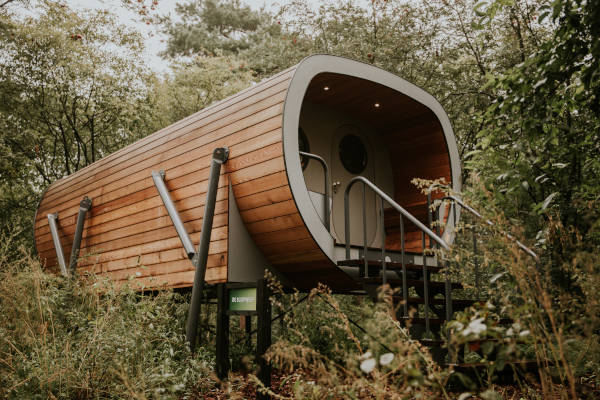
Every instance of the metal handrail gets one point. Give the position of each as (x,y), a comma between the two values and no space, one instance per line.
(474,212)
(422,227)
(403,213)
(327,210)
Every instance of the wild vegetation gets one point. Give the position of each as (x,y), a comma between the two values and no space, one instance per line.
(520,80)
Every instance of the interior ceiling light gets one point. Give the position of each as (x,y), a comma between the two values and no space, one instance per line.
(326,88)
(377,105)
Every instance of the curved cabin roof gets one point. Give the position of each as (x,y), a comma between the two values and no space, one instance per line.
(128,235)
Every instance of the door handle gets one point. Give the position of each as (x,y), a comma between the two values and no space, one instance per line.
(336,185)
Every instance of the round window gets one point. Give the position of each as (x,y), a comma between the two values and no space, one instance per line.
(303,146)
(353,154)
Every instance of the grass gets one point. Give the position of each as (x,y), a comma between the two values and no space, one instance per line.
(81,338)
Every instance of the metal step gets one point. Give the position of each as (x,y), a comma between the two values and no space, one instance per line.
(440,321)
(397,282)
(527,365)
(392,266)
(440,342)
(421,321)
(456,303)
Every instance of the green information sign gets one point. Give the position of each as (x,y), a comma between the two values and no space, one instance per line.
(242,299)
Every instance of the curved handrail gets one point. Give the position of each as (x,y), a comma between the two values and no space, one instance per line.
(470,209)
(327,211)
(391,202)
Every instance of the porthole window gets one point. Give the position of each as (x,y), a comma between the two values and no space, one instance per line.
(353,154)
(303,146)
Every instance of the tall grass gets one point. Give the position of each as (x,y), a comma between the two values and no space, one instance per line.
(82,338)
(561,315)
(65,339)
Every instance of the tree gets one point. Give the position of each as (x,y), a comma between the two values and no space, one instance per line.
(73,89)
(439,45)
(210,27)
(541,134)
(539,147)
(194,85)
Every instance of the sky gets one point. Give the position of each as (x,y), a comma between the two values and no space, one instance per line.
(155,42)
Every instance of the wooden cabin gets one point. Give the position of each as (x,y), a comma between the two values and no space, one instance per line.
(271,201)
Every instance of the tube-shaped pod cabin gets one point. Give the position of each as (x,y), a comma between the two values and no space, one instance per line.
(295,141)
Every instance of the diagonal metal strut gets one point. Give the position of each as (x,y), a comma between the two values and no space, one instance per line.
(52,218)
(200,257)
(159,182)
(84,207)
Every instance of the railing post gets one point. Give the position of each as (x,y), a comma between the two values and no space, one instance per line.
(220,156)
(383,261)
(365,249)
(327,210)
(347,220)
(403,251)
(84,207)
(425,286)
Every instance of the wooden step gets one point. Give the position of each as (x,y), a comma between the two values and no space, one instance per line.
(397,282)
(392,266)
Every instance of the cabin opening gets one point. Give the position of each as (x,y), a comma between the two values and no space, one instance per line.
(363,128)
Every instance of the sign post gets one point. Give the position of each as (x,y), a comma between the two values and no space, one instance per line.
(242,299)
(246,299)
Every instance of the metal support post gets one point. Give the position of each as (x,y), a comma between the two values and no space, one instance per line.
(158,178)
(263,336)
(84,207)
(57,246)
(223,366)
(220,156)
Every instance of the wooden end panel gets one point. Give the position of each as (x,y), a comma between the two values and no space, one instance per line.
(267,207)
(273,220)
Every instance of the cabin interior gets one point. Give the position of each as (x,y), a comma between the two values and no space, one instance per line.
(362,128)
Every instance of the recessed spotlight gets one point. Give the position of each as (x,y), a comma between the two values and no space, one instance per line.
(376,105)
(326,88)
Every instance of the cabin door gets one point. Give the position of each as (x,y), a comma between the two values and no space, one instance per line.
(352,155)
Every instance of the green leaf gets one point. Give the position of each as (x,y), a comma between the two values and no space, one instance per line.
(548,200)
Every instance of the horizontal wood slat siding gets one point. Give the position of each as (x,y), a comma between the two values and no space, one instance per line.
(129,237)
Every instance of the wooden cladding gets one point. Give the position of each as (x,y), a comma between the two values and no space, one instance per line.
(129,238)
(128,235)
